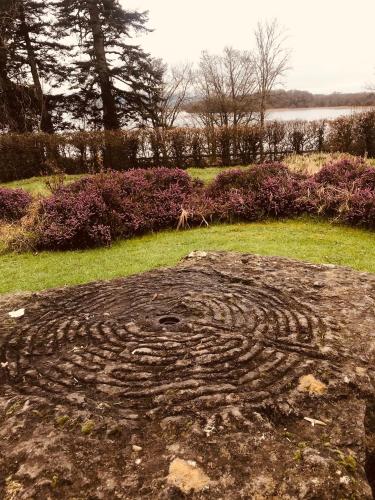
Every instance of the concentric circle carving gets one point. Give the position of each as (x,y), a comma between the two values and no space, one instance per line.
(175,339)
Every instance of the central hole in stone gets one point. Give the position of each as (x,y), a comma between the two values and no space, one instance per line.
(169,320)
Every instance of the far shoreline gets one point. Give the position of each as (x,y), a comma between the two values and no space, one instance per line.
(370,106)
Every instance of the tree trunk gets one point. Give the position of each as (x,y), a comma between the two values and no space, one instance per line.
(15,115)
(110,118)
(46,124)
(262,120)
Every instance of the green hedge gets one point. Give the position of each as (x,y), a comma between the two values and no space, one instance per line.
(27,155)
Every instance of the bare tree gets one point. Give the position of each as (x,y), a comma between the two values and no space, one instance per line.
(271,59)
(165,102)
(225,85)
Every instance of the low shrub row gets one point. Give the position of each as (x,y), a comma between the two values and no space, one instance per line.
(97,210)
(353,134)
(28,155)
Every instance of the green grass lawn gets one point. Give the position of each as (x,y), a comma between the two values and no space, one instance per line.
(35,185)
(208,174)
(304,239)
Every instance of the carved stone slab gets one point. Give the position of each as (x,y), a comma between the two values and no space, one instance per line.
(229,376)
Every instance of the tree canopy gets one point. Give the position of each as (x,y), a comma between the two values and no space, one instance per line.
(75,59)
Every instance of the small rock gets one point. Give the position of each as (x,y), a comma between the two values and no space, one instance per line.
(138,461)
(132,328)
(17,314)
(308,383)
(136,448)
(187,477)
(197,255)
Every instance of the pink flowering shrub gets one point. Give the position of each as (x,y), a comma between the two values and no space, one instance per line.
(344,191)
(13,204)
(96,210)
(268,190)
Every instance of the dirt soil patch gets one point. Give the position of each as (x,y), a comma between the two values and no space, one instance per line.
(230,376)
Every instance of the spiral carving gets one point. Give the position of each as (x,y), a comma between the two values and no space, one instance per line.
(173,339)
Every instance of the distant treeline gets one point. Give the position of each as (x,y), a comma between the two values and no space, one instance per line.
(286,99)
(304,99)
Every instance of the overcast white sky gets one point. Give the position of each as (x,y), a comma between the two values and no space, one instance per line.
(332,41)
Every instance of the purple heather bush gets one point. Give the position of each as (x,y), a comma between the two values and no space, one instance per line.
(96,210)
(367,180)
(343,190)
(360,209)
(268,190)
(249,179)
(321,200)
(345,173)
(13,204)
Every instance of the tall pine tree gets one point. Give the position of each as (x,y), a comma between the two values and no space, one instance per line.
(32,53)
(112,76)
(15,99)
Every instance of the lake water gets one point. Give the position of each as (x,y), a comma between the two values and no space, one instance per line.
(309,114)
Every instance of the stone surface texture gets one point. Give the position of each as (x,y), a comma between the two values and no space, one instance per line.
(230,376)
